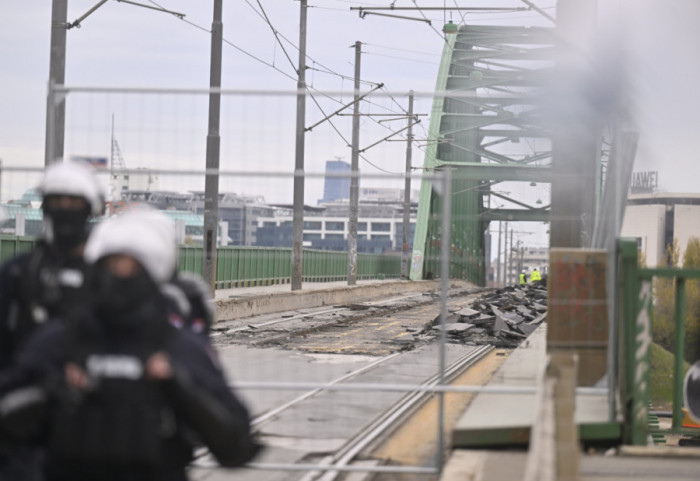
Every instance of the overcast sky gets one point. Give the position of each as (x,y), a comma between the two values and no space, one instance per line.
(125,45)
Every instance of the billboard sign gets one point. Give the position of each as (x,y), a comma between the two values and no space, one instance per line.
(644,182)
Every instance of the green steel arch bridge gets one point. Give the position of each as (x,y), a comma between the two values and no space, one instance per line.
(485,112)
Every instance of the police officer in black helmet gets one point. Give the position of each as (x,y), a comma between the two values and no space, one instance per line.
(128,394)
(47,282)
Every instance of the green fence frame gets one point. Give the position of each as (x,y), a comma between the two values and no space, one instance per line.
(636,297)
(11,245)
(259,266)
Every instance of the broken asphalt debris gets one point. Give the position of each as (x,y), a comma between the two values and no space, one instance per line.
(502,318)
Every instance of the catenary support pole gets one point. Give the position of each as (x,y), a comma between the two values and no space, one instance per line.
(354,179)
(298,214)
(510,262)
(405,254)
(56,104)
(211,182)
(498,255)
(505,254)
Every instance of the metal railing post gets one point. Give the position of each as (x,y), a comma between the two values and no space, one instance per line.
(628,286)
(641,366)
(678,365)
(444,292)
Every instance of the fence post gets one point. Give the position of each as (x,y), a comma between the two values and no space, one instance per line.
(634,357)
(679,354)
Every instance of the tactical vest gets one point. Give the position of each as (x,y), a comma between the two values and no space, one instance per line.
(120,424)
(47,288)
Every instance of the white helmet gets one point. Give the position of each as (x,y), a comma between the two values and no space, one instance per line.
(145,234)
(73,178)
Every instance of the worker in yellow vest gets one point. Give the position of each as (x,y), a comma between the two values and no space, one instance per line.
(535,276)
(523,281)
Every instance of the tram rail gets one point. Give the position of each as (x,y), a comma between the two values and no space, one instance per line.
(371,434)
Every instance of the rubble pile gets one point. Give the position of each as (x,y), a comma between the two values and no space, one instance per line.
(502,318)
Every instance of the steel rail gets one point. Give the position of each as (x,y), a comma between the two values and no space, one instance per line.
(324,387)
(370,433)
(277,321)
(314,313)
(495,389)
(316,389)
(384,423)
(332,465)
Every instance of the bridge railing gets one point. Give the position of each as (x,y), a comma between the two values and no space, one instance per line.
(239,266)
(11,245)
(260,266)
(637,303)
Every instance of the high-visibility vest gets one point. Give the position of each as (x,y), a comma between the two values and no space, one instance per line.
(522,278)
(535,276)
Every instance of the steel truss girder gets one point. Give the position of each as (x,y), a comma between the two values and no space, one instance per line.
(523,215)
(516,173)
(488,82)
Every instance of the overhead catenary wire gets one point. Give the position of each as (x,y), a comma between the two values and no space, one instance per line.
(323,69)
(347,142)
(204,29)
(402,58)
(275,33)
(418,52)
(279,35)
(377,85)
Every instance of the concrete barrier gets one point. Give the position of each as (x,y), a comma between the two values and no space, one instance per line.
(253,305)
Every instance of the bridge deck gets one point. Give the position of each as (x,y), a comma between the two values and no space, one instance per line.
(252,301)
(505,419)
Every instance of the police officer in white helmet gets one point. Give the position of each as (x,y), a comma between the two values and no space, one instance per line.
(48,281)
(129,387)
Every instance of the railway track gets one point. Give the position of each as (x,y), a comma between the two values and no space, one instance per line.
(390,319)
(364,438)
(383,426)
(319,421)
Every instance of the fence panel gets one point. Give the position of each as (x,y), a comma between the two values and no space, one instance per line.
(11,245)
(637,309)
(158,134)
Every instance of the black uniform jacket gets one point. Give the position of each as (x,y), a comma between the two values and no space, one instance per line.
(34,287)
(203,406)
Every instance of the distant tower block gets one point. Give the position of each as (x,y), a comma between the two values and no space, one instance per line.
(336,186)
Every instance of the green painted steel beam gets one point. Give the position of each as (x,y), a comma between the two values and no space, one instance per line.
(518,173)
(486,88)
(649,273)
(519,134)
(420,236)
(522,215)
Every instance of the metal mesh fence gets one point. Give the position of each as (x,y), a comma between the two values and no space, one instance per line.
(149,147)
(307,400)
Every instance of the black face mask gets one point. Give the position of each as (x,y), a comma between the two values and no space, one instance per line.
(68,227)
(123,301)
